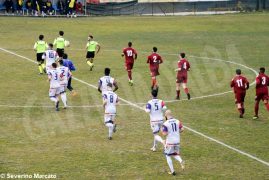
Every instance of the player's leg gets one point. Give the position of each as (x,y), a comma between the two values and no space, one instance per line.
(256,107)
(239,104)
(39,60)
(63,96)
(167,152)
(156,138)
(129,67)
(109,124)
(186,90)
(265,101)
(177,90)
(54,97)
(43,66)
(178,157)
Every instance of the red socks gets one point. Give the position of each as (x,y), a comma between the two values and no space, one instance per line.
(178,93)
(130,75)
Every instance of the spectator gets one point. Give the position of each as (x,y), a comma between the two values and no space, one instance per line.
(19,6)
(9,6)
(71,6)
(79,8)
(61,7)
(49,9)
(28,6)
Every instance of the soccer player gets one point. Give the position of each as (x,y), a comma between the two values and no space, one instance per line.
(68,63)
(110,100)
(54,79)
(103,81)
(262,81)
(60,43)
(65,74)
(50,56)
(182,76)
(172,129)
(40,47)
(154,60)
(91,47)
(155,108)
(130,56)
(240,84)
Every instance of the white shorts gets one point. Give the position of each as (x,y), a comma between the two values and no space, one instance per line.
(172,150)
(54,91)
(109,118)
(48,68)
(63,89)
(156,126)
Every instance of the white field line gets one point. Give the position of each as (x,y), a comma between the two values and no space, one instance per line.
(48,106)
(188,128)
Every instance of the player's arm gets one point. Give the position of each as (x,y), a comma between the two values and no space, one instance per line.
(99,86)
(122,54)
(247,84)
(148,61)
(160,60)
(148,108)
(55,41)
(104,101)
(98,48)
(117,100)
(164,130)
(135,54)
(258,81)
(164,108)
(232,83)
(49,76)
(35,46)
(188,66)
(181,128)
(116,87)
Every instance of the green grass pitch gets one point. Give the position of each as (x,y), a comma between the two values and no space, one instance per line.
(73,143)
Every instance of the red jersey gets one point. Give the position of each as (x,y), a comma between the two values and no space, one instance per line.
(130,54)
(184,65)
(239,84)
(262,81)
(154,60)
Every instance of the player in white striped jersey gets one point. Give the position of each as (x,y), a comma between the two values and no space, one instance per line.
(103,81)
(110,100)
(54,79)
(65,74)
(50,56)
(172,129)
(155,108)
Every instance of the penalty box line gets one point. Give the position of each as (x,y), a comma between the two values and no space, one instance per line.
(140,108)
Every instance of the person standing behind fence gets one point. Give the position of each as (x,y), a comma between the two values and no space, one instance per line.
(9,6)
(71,6)
(61,6)
(19,6)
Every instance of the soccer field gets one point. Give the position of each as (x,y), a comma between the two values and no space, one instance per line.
(72,143)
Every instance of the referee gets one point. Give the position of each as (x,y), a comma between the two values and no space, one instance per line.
(59,42)
(40,48)
(91,47)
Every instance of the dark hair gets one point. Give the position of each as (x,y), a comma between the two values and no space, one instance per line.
(51,45)
(54,65)
(41,37)
(61,33)
(65,56)
(154,93)
(130,44)
(262,69)
(182,55)
(61,62)
(238,71)
(90,36)
(154,49)
(107,71)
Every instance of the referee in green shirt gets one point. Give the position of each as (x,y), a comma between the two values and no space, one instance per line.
(60,43)
(40,47)
(91,47)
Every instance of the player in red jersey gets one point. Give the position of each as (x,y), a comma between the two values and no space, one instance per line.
(154,60)
(262,81)
(240,84)
(130,56)
(182,75)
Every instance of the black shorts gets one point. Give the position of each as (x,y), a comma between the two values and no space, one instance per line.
(39,57)
(60,52)
(90,54)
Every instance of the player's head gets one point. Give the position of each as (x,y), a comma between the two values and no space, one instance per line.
(90,37)
(130,44)
(154,93)
(182,55)
(54,65)
(65,56)
(61,62)
(238,71)
(107,71)
(41,37)
(155,49)
(168,114)
(50,46)
(262,70)
(61,33)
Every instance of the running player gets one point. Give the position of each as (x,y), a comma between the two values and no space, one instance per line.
(60,43)
(103,81)
(40,47)
(91,47)
(240,84)
(54,91)
(172,129)
(154,60)
(65,74)
(130,56)
(68,63)
(262,81)
(110,100)
(50,56)
(182,75)
(155,108)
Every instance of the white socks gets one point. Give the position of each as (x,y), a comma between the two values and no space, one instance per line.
(110,129)
(54,99)
(178,158)
(157,138)
(64,99)
(170,163)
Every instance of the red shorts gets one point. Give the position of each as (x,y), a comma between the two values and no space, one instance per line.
(261,96)
(182,79)
(240,97)
(129,65)
(154,72)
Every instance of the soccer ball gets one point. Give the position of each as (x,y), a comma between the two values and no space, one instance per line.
(67,43)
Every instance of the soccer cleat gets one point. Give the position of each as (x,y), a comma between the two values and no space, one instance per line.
(73,93)
(189,96)
(153,149)
(57,106)
(241,116)
(182,165)
(91,67)
(40,73)
(114,128)
(255,117)
(131,82)
(65,107)
(109,138)
(172,173)
(177,98)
